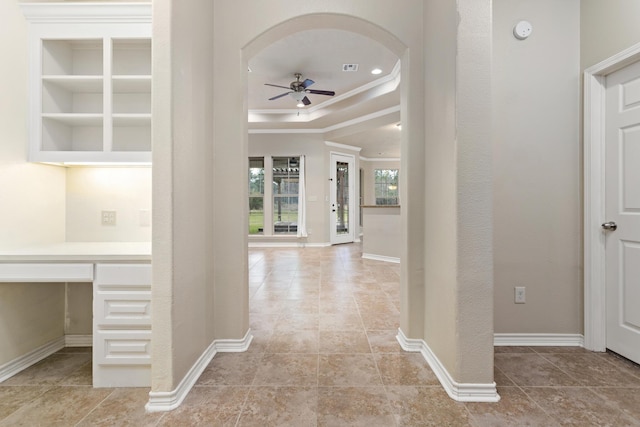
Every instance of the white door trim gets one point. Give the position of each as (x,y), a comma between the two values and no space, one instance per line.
(594,249)
(352,194)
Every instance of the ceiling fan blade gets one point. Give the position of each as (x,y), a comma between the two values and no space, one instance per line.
(306,101)
(321,92)
(308,82)
(280,96)
(283,87)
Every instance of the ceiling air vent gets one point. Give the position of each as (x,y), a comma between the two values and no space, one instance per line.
(349,67)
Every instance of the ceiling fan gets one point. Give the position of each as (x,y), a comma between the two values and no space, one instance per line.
(298,90)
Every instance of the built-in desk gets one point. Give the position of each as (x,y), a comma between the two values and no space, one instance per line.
(121,278)
(381,232)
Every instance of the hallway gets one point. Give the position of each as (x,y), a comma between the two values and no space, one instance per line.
(324,354)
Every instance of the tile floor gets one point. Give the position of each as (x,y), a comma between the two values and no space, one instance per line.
(325,354)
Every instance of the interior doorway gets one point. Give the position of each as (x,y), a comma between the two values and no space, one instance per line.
(612,208)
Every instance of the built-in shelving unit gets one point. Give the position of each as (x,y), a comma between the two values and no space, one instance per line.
(90,82)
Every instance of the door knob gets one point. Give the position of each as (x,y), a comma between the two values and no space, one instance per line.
(610,225)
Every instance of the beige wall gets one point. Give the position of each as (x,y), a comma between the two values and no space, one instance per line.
(457,300)
(187,271)
(537,203)
(92,190)
(31,315)
(607,27)
(381,230)
(32,202)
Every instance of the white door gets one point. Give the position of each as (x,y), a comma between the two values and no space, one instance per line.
(622,210)
(342,210)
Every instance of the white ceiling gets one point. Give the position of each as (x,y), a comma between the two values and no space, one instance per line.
(365,109)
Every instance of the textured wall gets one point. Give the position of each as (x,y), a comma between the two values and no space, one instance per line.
(607,27)
(537,173)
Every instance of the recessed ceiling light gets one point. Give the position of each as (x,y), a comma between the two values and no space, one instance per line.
(376,71)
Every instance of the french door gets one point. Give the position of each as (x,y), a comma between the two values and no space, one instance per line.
(343,211)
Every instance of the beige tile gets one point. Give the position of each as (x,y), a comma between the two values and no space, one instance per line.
(348,370)
(341,322)
(559,349)
(51,370)
(373,321)
(260,340)
(231,369)
(578,406)
(210,406)
(13,397)
(426,406)
(625,365)
(73,350)
(501,379)
(626,400)
(512,349)
(354,407)
(280,406)
(59,406)
(538,372)
(343,342)
(81,376)
(288,370)
(304,341)
(513,409)
(405,369)
(590,369)
(384,341)
(124,407)
(301,306)
(263,321)
(296,322)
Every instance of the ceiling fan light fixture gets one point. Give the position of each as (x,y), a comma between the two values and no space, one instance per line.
(298,96)
(300,104)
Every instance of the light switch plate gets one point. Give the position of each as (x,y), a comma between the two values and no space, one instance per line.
(108,217)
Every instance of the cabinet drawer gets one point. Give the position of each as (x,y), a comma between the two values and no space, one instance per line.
(122,347)
(123,275)
(51,272)
(122,309)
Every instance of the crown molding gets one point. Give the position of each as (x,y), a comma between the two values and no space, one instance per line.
(87,12)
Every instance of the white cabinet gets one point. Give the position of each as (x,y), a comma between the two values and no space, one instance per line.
(90,82)
(122,325)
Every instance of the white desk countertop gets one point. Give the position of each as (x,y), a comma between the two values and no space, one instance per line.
(79,252)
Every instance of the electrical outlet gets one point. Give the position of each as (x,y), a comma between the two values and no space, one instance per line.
(108,217)
(520,296)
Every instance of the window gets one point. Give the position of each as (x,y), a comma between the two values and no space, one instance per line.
(256,195)
(386,186)
(286,177)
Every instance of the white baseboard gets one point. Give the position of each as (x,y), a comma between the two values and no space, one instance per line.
(23,362)
(288,245)
(557,340)
(78,340)
(461,392)
(395,260)
(160,401)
